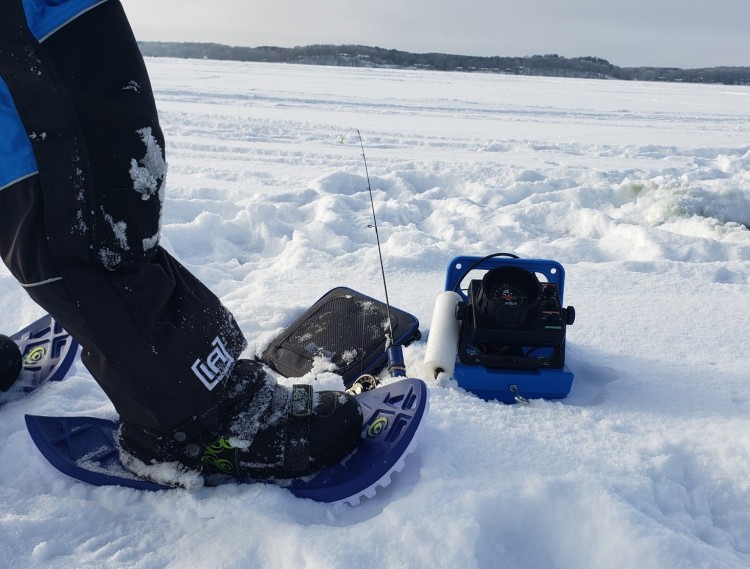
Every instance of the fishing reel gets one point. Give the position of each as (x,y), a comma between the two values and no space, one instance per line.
(396,369)
(512,320)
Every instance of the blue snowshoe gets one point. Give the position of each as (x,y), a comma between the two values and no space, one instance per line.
(33,356)
(86,448)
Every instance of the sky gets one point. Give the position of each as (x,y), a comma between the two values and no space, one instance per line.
(663,33)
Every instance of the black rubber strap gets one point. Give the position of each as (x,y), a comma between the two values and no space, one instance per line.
(297,450)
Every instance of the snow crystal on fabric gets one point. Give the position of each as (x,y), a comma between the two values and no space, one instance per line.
(269,405)
(151,242)
(149,176)
(109,259)
(132,86)
(119,228)
(148,172)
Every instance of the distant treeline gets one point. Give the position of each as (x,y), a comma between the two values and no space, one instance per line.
(363,56)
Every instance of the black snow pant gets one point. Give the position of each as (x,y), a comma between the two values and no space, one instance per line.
(81,234)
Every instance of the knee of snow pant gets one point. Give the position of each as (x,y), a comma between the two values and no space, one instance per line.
(97,60)
(85,100)
(158,342)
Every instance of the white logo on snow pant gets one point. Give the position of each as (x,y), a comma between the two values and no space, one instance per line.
(217,365)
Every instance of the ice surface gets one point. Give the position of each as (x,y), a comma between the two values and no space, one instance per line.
(641,190)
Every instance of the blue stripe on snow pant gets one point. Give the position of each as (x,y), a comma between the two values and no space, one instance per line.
(45,17)
(16,155)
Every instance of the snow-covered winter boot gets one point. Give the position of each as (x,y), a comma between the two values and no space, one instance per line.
(264,431)
(301,432)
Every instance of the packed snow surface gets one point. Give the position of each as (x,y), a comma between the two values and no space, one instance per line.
(641,191)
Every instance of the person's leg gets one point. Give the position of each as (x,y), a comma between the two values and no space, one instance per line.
(80,231)
(82,235)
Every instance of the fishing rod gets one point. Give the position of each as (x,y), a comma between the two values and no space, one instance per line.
(396,365)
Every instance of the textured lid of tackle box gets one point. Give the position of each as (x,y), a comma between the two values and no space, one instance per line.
(345,327)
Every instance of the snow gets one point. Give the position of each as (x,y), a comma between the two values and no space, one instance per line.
(642,192)
(151,169)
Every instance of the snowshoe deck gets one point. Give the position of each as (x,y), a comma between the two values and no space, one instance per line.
(47,351)
(85,448)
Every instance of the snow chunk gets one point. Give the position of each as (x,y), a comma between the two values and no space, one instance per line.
(109,259)
(168,473)
(119,228)
(149,171)
(150,242)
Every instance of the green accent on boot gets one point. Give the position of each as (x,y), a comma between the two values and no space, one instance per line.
(221,455)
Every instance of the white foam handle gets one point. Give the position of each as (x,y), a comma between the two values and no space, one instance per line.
(442,343)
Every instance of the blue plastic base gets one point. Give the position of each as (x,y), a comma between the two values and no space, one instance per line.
(507,385)
(503,384)
(84,448)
